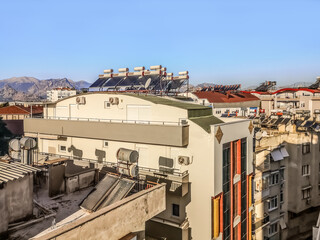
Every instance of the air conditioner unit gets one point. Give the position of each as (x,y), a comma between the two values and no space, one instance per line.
(184,160)
(81,100)
(114,101)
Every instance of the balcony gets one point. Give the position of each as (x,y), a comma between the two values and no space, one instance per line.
(148,132)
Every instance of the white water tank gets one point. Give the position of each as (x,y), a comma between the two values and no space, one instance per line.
(127,155)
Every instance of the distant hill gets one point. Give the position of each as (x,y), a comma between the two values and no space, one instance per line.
(30,88)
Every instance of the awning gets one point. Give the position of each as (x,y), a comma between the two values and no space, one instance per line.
(284,152)
(276,155)
(282,224)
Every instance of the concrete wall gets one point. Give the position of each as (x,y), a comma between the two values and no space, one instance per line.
(16,201)
(141,133)
(117,220)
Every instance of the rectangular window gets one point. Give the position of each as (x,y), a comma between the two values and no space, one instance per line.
(305,148)
(274,179)
(62,148)
(273,228)
(107,104)
(235,158)
(105,144)
(282,174)
(235,199)
(281,196)
(226,176)
(175,210)
(306,193)
(305,170)
(273,203)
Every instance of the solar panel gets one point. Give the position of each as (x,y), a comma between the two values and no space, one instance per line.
(308,124)
(111,82)
(285,121)
(99,82)
(298,123)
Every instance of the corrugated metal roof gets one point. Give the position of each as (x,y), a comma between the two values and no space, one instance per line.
(14,171)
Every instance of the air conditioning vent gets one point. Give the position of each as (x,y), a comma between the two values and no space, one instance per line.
(184,160)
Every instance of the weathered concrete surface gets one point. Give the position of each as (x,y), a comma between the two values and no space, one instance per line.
(16,201)
(19,198)
(4,219)
(56,180)
(117,220)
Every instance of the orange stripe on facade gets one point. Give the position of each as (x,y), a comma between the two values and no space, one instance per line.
(221,214)
(239,185)
(231,190)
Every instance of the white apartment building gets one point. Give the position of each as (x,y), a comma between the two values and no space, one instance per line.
(205,162)
(60,93)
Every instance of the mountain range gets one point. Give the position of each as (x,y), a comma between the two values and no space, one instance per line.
(33,89)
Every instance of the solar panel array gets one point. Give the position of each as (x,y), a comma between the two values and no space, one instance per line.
(156,80)
(221,88)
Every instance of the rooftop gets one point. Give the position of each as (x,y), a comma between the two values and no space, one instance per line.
(227,97)
(21,110)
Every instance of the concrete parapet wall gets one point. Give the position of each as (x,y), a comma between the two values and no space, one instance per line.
(117,220)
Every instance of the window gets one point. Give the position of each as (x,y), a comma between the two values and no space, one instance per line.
(305,170)
(273,228)
(302,104)
(107,104)
(273,203)
(282,174)
(306,193)
(175,210)
(281,196)
(305,148)
(105,144)
(62,148)
(274,179)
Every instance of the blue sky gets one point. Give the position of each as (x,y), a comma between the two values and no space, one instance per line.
(218,41)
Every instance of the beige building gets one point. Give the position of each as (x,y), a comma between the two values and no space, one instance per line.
(286,182)
(291,100)
(205,162)
(59,93)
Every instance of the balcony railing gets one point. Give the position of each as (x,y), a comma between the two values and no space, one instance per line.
(183,122)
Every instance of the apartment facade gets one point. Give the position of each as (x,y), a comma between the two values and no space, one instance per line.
(59,93)
(205,162)
(286,183)
(291,100)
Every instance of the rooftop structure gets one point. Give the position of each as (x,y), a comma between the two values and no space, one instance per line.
(156,80)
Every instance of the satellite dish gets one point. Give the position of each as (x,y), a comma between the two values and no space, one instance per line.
(147,83)
(258,135)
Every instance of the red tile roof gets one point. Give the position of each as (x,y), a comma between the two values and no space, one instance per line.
(21,110)
(219,97)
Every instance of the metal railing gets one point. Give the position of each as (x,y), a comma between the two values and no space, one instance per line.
(114,164)
(146,122)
